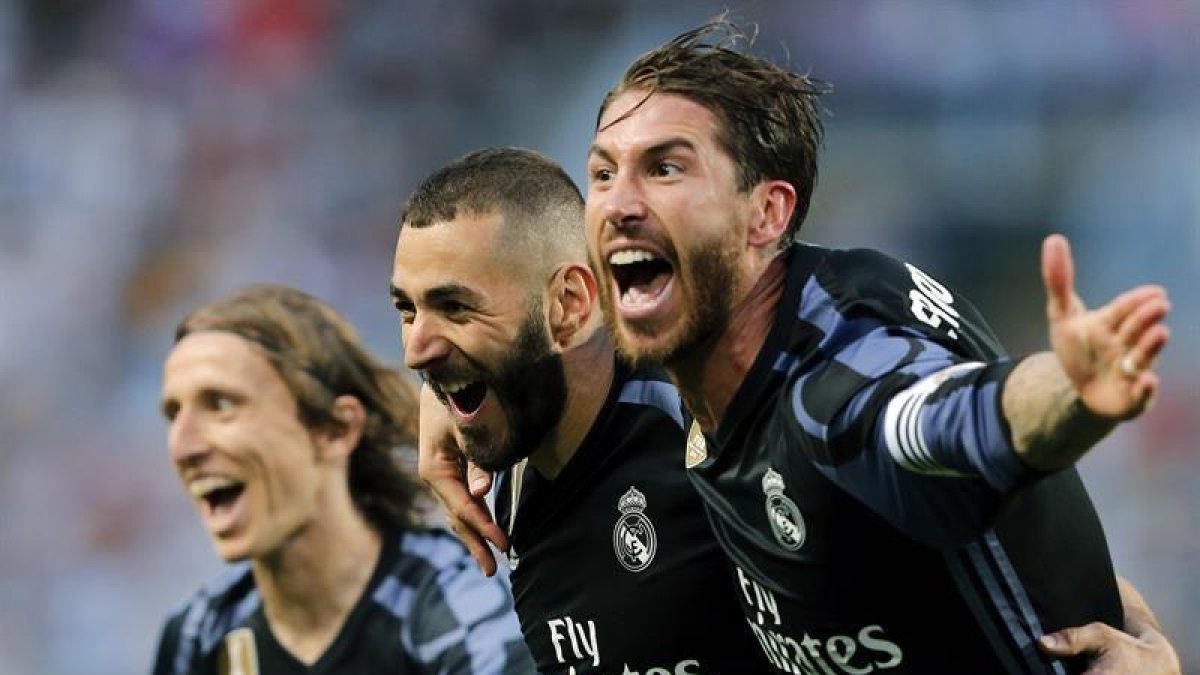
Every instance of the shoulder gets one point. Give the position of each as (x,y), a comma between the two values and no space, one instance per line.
(650,392)
(870,287)
(866,277)
(449,612)
(195,628)
(433,569)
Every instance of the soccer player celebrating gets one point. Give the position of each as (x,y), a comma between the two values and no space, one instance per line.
(895,494)
(284,430)
(614,568)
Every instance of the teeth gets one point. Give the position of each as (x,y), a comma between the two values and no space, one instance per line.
(202,487)
(630,256)
(454,388)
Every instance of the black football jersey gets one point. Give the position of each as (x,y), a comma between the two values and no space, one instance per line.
(427,609)
(614,568)
(864,486)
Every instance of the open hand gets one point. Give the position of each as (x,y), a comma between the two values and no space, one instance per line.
(1108,352)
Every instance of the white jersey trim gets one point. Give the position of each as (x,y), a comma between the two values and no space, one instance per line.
(902,432)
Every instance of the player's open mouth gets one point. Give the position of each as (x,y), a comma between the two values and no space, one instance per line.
(465,398)
(642,279)
(222,495)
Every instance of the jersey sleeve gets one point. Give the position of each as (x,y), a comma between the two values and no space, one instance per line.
(901,406)
(463,623)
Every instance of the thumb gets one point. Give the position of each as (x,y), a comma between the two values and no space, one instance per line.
(1058,275)
(1072,641)
(479,480)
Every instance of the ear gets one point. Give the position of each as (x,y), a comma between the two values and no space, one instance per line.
(774,203)
(340,439)
(572,300)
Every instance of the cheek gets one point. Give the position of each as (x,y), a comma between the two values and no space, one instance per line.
(592,219)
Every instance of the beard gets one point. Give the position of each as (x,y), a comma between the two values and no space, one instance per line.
(531,388)
(709,279)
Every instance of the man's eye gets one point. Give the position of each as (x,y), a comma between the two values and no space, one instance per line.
(219,402)
(667,169)
(407,311)
(601,175)
(452,308)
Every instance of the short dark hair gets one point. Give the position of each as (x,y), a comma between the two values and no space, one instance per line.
(769,120)
(538,200)
(320,356)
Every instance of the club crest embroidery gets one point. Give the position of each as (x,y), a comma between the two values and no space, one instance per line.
(634,538)
(786,522)
(697,449)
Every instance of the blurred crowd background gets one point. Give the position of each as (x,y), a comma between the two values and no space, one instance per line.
(157,153)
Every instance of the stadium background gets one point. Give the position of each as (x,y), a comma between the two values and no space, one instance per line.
(157,153)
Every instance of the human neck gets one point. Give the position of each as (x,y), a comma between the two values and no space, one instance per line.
(312,583)
(592,363)
(711,374)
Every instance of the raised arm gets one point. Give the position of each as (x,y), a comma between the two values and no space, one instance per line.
(1100,372)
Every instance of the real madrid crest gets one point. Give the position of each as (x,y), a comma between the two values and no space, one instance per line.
(697,448)
(785,519)
(634,538)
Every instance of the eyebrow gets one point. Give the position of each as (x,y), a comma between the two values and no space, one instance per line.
(441,293)
(396,293)
(657,150)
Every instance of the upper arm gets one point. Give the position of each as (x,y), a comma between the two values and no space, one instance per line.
(900,407)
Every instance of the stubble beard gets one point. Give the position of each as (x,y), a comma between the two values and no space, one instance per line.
(710,278)
(532,391)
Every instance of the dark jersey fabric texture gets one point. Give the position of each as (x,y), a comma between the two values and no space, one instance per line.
(864,486)
(426,609)
(617,571)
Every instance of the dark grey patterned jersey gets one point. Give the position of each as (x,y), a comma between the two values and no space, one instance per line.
(864,486)
(426,609)
(617,571)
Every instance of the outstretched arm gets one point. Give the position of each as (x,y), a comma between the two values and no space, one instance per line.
(442,466)
(1143,650)
(1100,372)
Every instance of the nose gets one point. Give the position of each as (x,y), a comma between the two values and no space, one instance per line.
(623,205)
(186,438)
(424,343)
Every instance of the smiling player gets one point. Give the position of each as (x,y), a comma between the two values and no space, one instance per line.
(283,430)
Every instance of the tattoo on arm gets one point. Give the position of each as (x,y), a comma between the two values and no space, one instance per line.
(1051,427)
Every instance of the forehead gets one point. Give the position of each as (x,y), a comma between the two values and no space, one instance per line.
(217,359)
(627,125)
(467,251)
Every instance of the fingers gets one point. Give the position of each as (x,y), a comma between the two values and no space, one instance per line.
(476,546)
(441,465)
(1090,639)
(471,521)
(1119,310)
(470,511)
(1142,353)
(1136,312)
(479,480)
(1058,275)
